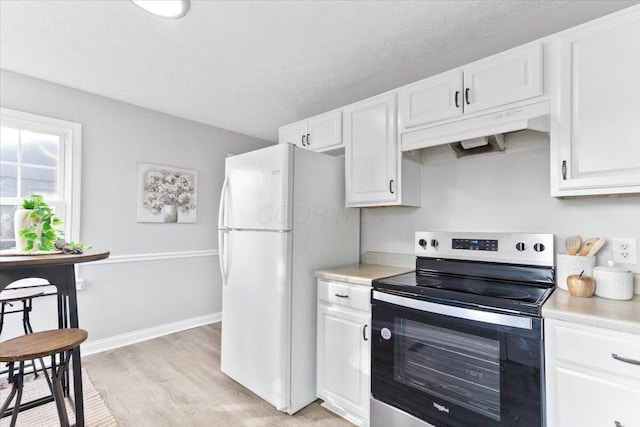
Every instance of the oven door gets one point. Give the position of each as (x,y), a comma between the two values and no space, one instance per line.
(454,366)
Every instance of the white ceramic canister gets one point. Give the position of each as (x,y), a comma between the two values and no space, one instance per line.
(613,282)
(567,265)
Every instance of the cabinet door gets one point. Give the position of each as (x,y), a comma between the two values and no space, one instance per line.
(371,152)
(436,98)
(343,364)
(501,79)
(596,146)
(325,131)
(295,133)
(590,401)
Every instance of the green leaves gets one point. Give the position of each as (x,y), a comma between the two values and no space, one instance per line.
(41,233)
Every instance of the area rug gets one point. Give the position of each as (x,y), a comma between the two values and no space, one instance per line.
(96,413)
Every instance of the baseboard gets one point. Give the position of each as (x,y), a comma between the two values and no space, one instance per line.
(129,338)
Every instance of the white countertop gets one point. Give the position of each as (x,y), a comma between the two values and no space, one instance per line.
(623,316)
(361,274)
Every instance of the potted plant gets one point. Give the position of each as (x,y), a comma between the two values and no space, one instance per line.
(35,223)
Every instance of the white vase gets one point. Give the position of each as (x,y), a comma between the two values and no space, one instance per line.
(170,213)
(20,221)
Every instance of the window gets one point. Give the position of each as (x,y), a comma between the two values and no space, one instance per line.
(39,155)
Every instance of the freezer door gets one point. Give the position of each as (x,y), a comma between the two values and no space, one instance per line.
(257,195)
(256,314)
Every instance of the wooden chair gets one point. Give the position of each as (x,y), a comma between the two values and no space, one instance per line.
(13,296)
(24,296)
(56,342)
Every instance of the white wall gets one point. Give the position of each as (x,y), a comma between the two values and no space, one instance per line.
(500,192)
(135,293)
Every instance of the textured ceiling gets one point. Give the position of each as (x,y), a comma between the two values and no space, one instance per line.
(245,66)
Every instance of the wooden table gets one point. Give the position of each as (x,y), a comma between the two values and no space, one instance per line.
(58,270)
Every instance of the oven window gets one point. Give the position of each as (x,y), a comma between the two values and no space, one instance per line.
(460,368)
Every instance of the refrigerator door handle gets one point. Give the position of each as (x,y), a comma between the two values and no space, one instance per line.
(223,203)
(222,255)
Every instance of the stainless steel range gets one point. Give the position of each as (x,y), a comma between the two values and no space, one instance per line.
(459,342)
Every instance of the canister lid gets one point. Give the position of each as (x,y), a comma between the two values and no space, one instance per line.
(611,268)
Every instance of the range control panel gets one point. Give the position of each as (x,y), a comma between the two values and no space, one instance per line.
(475,244)
(513,248)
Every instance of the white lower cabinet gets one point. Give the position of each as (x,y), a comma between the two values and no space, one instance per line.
(592,376)
(344,350)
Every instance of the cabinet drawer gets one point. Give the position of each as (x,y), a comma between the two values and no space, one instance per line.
(354,296)
(589,401)
(594,349)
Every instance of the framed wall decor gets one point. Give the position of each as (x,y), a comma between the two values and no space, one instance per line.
(167,194)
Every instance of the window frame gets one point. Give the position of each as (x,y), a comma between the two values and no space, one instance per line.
(71,158)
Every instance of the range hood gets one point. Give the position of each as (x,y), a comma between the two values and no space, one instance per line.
(479,134)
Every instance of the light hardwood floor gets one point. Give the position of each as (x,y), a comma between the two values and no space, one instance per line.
(176,380)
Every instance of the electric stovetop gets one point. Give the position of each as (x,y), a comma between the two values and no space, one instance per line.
(466,291)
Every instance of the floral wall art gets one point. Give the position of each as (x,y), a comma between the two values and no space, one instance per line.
(166,194)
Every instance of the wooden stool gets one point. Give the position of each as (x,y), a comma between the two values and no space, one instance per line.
(37,345)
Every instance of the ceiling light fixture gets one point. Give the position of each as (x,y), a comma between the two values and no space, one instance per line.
(164,8)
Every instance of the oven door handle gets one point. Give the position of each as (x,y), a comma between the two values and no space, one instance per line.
(459,312)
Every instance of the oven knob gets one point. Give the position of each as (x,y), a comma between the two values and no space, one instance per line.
(434,243)
(520,246)
(538,247)
(423,243)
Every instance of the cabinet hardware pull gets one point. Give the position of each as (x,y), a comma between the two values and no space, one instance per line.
(625,360)
(341,296)
(303,144)
(618,424)
(466,96)
(364,333)
(457,94)
(309,139)
(564,170)
(391,186)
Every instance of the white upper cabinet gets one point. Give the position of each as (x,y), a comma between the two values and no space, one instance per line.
(377,174)
(502,79)
(432,99)
(371,151)
(319,133)
(294,133)
(595,137)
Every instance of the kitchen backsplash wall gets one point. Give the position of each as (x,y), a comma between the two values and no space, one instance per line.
(501,192)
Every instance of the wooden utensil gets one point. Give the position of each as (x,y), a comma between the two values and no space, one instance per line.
(596,246)
(587,245)
(573,244)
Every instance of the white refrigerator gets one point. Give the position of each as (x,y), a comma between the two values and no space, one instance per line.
(281,217)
